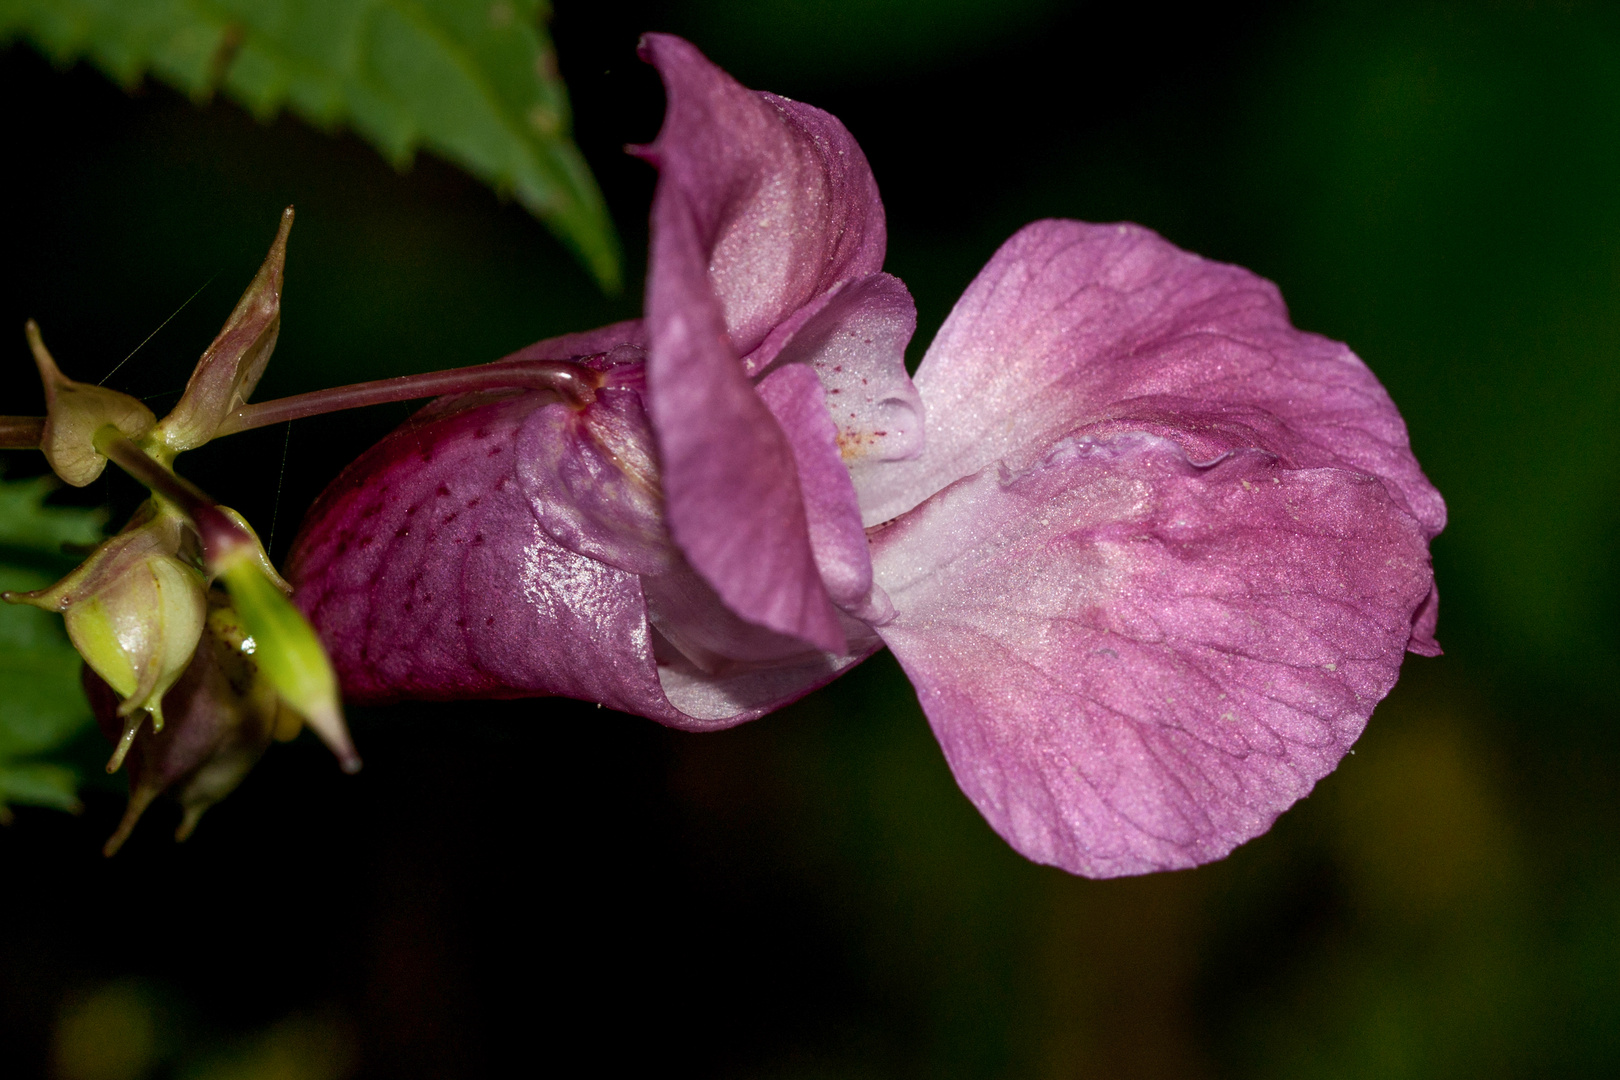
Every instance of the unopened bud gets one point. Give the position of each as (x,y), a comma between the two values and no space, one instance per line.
(222,715)
(134,611)
(230,368)
(288,652)
(75,412)
(138,634)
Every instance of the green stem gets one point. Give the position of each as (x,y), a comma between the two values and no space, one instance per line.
(221,537)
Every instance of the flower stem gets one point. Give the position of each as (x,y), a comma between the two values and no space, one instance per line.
(21,432)
(572,382)
(221,537)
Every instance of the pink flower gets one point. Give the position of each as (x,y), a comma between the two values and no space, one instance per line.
(1149,554)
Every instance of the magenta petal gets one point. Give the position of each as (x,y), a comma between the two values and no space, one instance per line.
(781,199)
(604,339)
(731,492)
(591,475)
(796,398)
(428,573)
(1073,324)
(1135,663)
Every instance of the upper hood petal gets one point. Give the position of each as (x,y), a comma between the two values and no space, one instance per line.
(781,198)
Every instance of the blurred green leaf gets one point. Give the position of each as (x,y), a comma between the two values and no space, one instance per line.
(41,705)
(472,80)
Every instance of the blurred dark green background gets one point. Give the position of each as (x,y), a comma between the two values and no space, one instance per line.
(508,888)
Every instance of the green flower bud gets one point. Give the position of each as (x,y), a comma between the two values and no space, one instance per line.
(135,612)
(286,649)
(139,634)
(222,714)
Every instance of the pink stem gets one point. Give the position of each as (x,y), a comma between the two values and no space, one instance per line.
(572,382)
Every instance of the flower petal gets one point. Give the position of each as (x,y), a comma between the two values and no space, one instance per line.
(731,492)
(1135,663)
(592,478)
(796,399)
(429,574)
(782,200)
(854,337)
(1073,324)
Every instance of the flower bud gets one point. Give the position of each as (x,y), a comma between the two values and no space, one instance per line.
(231,366)
(75,411)
(222,714)
(286,649)
(134,611)
(139,634)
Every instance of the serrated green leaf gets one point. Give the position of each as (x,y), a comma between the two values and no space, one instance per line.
(42,707)
(474,81)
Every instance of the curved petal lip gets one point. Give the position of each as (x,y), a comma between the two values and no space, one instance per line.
(1135,663)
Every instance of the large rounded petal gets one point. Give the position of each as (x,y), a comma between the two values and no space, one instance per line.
(1135,662)
(1073,324)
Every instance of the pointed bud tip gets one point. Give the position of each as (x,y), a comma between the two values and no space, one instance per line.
(327,722)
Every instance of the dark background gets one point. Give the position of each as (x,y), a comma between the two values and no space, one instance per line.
(511,888)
